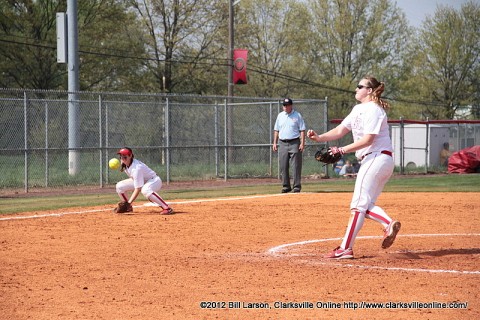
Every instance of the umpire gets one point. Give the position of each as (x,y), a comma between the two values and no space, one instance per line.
(289,135)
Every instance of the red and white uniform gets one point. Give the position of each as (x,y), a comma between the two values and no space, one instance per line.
(141,176)
(376,167)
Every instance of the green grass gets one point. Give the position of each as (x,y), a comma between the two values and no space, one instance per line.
(435,183)
(398,183)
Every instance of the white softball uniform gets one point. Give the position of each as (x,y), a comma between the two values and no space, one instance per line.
(369,118)
(141,176)
(376,167)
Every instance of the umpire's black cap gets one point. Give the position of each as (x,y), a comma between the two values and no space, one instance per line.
(287,102)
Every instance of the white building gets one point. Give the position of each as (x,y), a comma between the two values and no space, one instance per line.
(418,149)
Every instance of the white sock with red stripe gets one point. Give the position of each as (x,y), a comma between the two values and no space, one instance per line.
(155,198)
(354,225)
(377,214)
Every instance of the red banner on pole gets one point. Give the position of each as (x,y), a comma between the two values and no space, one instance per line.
(240,66)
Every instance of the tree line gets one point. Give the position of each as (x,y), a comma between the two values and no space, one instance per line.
(297,48)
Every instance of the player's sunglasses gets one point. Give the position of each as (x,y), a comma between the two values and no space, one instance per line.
(123,157)
(361,87)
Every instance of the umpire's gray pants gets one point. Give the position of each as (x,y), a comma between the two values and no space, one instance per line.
(289,151)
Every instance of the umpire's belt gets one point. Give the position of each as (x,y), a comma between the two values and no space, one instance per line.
(388,153)
(289,140)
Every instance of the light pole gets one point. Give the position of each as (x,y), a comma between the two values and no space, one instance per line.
(231,40)
(229,112)
(231,43)
(73,88)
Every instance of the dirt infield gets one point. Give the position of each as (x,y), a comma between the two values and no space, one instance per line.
(243,258)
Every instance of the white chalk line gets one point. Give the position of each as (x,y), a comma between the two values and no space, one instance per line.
(282,251)
(48,215)
(148,204)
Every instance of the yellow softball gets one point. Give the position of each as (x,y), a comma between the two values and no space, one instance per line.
(114,163)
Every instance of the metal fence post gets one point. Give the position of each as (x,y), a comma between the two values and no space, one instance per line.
(270,126)
(216,140)
(402,147)
(25,134)
(427,135)
(458,136)
(325,125)
(107,141)
(167,141)
(100,140)
(226,140)
(46,144)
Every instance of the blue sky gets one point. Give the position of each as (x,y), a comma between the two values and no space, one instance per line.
(417,10)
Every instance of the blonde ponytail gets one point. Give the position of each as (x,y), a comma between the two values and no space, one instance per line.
(378,88)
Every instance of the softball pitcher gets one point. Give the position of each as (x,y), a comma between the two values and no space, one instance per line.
(372,146)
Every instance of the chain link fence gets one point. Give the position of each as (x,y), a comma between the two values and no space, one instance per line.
(53,138)
(417,144)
